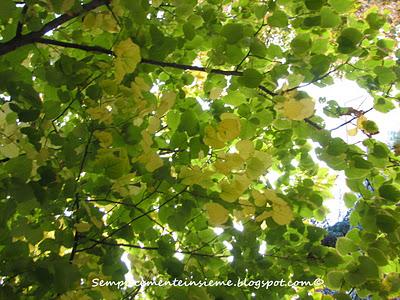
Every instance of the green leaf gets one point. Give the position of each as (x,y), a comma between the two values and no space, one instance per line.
(329,18)
(301,44)
(278,19)
(375,20)
(341,6)
(386,223)
(173,267)
(258,48)
(235,98)
(7,8)
(251,78)
(334,280)
(314,4)
(66,275)
(345,245)
(385,75)
(368,267)
(189,123)
(349,199)
(389,192)
(378,256)
(233,32)
(349,39)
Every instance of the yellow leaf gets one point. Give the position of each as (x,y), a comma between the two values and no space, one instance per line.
(100,113)
(82,227)
(229,127)
(190,176)
(105,138)
(217,214)
(245,148)
(259,198)
(166,103)
(282,214)
(154,124)
(153,161)
(228,162)
(263,216)
(248,209)
(107,22)
(360,120)
(215,93)
(89,21)
(211,138)
(352,131)
(229,192)
(9,150)
(128,56)
(298,109)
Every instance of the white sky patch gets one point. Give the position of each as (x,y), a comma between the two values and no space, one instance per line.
(238,226)
(179,256)
(128,276)
(348,94)
(228,245)
(263,248)
(204,104)
(218,230)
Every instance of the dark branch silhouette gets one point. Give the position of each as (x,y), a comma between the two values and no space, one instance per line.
(32,37)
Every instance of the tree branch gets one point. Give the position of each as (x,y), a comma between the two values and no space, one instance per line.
(194,253)
(352,119)
(149,61)
(317,79)
(76,202)
(30,38)
(20,24)
(133,220)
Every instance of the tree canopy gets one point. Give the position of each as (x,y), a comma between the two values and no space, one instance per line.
(136,127)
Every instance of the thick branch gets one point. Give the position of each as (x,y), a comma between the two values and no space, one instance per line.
(149,61)
(194,253)
(30,38)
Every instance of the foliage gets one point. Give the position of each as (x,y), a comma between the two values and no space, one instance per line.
(138,126)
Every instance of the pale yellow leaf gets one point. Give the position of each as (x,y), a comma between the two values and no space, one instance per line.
(89,21)
(352,131)
(217,214)
(229,127)
(166,103)
(360,120)
(259,198)
(9,150)
(154,124)
(282,214)
(263,216)
(128,56)
(211,138)
(245,148)
(154,162)
(298,109)
(105,138)
(215,93)
(228,191)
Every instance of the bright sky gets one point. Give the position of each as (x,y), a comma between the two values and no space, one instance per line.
(348,93)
